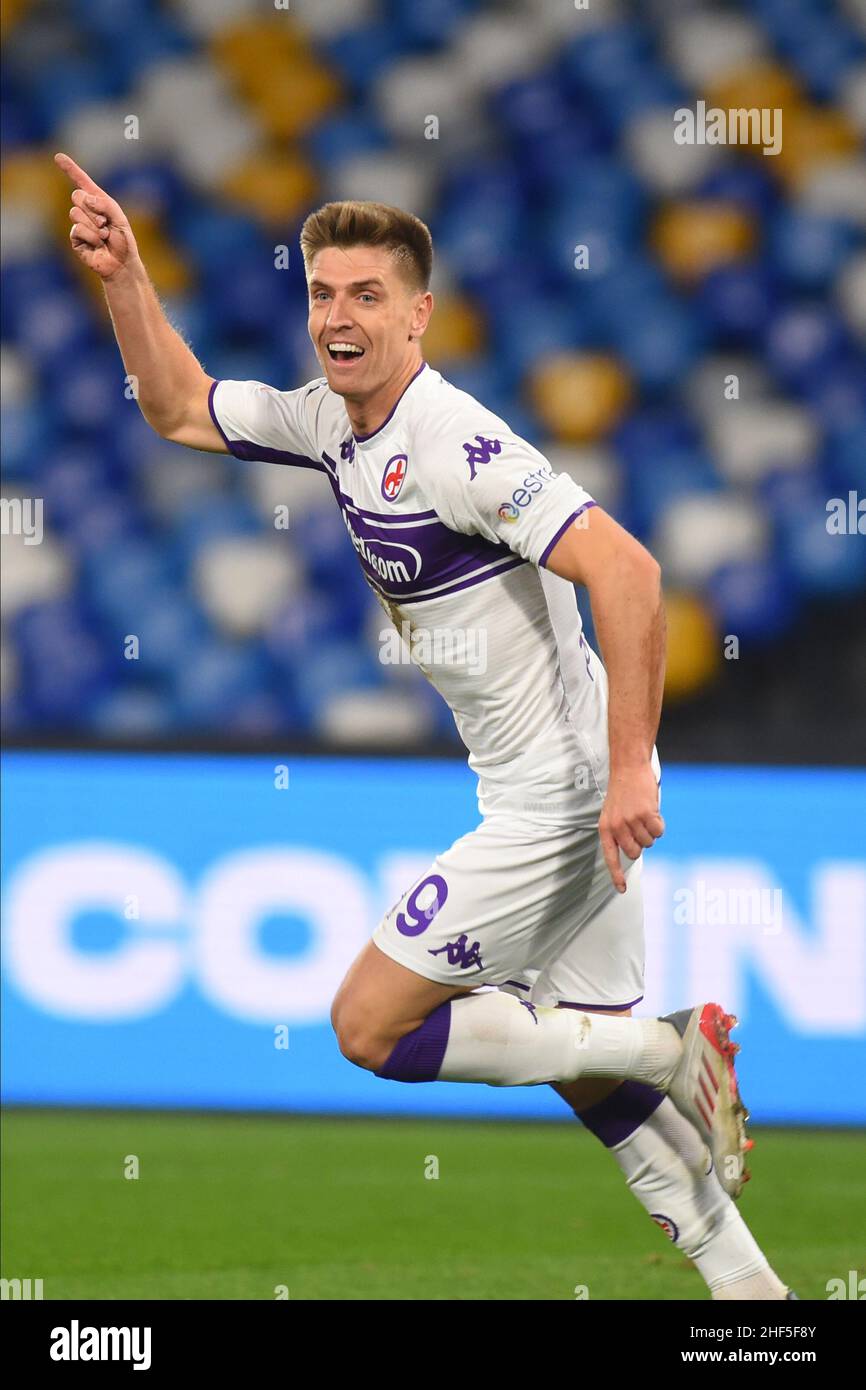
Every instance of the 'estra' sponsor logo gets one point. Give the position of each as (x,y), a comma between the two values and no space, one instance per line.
(523,495)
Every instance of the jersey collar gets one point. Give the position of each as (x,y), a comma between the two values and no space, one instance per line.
(362,438)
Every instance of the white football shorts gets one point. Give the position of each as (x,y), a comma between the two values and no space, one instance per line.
(528,906)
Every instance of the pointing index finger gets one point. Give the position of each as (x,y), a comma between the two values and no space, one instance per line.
(76,174)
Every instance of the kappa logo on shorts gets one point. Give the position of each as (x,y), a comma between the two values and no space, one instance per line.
(531,1007)
(459,955)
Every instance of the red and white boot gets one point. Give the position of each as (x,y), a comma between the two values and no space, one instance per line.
(704,1088)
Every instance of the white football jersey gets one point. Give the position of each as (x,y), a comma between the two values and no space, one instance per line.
(452,516)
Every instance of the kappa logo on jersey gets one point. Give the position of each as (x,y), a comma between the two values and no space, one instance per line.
(347,450)
(394,477)
(482,452)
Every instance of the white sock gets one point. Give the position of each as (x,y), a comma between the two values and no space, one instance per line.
(665,1163)
(507,1042)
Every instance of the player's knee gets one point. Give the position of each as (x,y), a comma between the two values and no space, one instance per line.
(359,1043)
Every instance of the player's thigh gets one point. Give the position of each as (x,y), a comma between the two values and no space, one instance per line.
(380,998)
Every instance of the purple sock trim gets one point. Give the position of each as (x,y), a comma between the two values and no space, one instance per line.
(418,1056)
(622,1112)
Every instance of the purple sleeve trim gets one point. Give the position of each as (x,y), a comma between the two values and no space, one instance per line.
(213,416)
(562,530)
(258,453)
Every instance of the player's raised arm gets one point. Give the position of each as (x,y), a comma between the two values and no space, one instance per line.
(171,386)
(624,583)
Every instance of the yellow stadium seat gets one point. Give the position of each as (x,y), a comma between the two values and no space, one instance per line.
(693,646)
(694,238)
(10,13)
(244,50)
(270,64)
(759,85)
(289,103)
(168,270)
(579,396)
(31,176)
(455,330)
(275,187)
(812,136)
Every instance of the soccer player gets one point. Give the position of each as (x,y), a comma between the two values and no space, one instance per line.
(517,958)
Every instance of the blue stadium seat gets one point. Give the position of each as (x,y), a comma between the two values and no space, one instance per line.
(333,667)
(427,23)
(735,301)
(755,600)
(213,680)
(63,664)
(803,339)
(808,249)
(360,56)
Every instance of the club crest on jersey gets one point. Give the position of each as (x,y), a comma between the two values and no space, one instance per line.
(394,477)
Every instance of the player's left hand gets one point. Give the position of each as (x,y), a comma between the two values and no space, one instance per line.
(630,819)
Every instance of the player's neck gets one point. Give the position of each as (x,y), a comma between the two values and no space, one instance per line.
(369,415)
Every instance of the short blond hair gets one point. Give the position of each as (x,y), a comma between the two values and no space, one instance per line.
(351,223)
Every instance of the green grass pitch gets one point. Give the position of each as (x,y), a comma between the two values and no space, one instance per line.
(233,1206)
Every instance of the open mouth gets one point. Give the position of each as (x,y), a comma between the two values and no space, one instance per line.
(344,352)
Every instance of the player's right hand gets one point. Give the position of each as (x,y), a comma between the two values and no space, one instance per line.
(100,235)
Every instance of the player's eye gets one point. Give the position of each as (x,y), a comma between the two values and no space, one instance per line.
(366,295)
